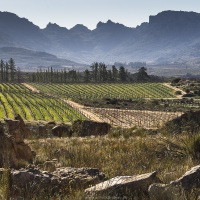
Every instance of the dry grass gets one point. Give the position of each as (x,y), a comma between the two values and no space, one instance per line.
(171,156)
(168,155)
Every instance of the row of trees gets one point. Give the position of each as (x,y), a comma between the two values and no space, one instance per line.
(97,73)
(8,71)
(100,73)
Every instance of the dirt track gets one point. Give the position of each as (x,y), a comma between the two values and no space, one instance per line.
(31,87)
(176,89)
(85,112)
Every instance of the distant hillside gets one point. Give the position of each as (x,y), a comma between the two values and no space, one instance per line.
(169,37)
(31,60)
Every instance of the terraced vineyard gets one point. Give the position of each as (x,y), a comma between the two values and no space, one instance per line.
(79,92)
(18,99)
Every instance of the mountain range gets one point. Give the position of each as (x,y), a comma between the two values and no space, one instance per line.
(169,37)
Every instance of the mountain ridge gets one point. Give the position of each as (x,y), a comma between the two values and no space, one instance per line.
(168,37)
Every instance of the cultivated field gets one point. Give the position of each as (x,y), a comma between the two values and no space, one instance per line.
(18,99)
(134,118)
(55,102)
(84,93)
(91,92)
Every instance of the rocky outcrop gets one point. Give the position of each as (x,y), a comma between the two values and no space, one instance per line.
(31,182)
(12,146)
(183,188)
(123,187)
(61,130)
(88,128)
(24,131)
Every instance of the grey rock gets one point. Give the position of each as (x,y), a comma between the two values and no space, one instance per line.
(182,188)
(123,187)
(88,128)
(61,130)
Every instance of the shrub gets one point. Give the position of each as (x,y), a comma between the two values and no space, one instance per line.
(113,101)
(176,80)
(193,146)
(178,92)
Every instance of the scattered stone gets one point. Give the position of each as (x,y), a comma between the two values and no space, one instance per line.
(88,128)
(181,189)
(61,130)
(123,187)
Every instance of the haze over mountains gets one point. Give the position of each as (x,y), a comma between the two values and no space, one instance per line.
(169,37)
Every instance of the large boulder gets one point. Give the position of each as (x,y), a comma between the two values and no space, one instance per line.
(61,130)
(123,187)
(186,187)
(88,128)
(12,146)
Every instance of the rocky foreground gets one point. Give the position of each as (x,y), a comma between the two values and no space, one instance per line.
(48,180)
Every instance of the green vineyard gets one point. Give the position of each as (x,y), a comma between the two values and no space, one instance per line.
(100,91)
(18,99)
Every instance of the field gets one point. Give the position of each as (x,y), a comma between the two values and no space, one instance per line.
(143,105)
(134,118)
(93,92)
(127,105)
(128,149)
(18,99)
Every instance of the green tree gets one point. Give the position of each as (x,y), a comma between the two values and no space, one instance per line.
(95,71)
(142,74)
(6,72)
(87,76)
(2,66)
(122,74)
(114,73)
(12,69)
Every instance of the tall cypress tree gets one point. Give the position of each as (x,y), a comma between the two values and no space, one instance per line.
(2,66)
(12,69)
(6,72)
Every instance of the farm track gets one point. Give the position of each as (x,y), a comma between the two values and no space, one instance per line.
(123,118)
(176,89)
(31,87)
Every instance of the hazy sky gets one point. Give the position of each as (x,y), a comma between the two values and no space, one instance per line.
(68,13)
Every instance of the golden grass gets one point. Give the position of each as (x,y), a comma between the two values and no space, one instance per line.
(119,156)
